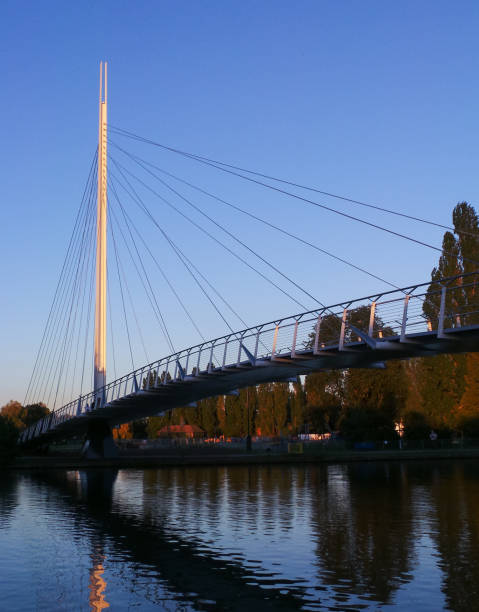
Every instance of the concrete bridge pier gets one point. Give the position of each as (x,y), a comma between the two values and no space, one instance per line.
(99,443)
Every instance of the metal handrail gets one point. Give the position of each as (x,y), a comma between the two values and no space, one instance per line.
(236,341)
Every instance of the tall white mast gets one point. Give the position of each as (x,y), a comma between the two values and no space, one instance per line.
(100,303)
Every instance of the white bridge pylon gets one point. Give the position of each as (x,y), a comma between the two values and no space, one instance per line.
(99,375)
(363,333)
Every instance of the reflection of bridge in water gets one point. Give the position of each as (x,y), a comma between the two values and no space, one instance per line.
(367,532)
(187,567)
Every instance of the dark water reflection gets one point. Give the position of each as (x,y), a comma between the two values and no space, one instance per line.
(364,536)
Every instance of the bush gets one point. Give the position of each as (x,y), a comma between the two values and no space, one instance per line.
(366,424)
(8,438)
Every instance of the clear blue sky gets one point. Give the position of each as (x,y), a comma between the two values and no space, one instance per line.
(375,100)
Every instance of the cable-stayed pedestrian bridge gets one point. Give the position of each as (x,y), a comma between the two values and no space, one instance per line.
(440,316)
(363,333)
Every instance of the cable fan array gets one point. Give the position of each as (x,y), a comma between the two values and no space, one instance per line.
(175,252)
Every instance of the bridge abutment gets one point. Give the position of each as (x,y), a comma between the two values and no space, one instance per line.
(99,443)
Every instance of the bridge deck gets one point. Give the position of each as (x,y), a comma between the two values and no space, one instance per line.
(144,400)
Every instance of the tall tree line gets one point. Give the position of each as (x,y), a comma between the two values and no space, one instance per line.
(439,393)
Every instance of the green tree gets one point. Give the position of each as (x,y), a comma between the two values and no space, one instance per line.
(33,412)
(467,417)
(13,412)
(155,423)
(441,379)
(240,413)
(8,438)
(374,400)
(208,416)
(221,413)
(23,416)
(324,393)
(281,396)
(297,404)
(441,384)
(265,422)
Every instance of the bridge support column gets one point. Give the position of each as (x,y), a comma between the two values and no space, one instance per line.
(99,443)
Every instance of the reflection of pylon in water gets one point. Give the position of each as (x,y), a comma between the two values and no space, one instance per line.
(97,585)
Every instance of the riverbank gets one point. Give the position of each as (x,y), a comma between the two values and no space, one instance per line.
(241,458)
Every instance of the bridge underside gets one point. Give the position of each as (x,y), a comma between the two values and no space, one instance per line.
(367,353)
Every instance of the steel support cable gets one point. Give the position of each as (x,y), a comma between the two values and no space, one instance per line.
(148,213)
(160,318)
(45,331)
(182,257)
(110,320)
(197,270)
(122,299)
(77,297)
(57,314)
(129,224)
(67,345)
(132,305)
(38,366)
(129,221)
(133,136)
(119,166)
(88,271)
(307,200)
(155,307)
(207,233)
(88,333)
(87,329)
(70,298)
(86,284)
(59,318)
(260,219)
(180,254)
(214,222)
(231,235)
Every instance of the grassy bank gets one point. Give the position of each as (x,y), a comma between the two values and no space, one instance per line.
(191,458)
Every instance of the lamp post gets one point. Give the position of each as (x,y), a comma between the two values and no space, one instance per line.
(248,437)
(400,430)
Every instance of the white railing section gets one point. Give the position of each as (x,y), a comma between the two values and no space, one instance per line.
(454,303)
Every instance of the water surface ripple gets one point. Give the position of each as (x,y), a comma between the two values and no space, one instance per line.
(363,536)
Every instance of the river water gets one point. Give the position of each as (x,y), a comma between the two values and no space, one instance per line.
(362,536)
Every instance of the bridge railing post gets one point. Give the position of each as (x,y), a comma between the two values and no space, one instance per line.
(404,317)
(224,352)
(210,362)
(239,349)
(257,343)
(147,381)
(198,360)
(372,317)
(275,340)
(316,335)
(343,329)
(293,345)
(165,377)
(442,309)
